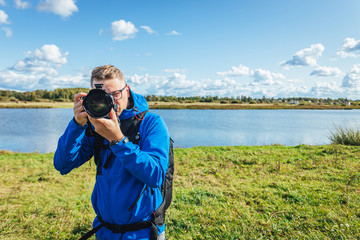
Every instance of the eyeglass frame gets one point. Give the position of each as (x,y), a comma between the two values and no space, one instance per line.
(120,91)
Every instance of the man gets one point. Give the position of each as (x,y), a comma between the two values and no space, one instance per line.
(127,190)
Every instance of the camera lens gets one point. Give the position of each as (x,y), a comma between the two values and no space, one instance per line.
(98,103)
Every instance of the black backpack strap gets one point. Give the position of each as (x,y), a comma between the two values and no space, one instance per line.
(168,183)
(123,228)
(130,127)
(166,189)
(98,145)
(138,198)
(108,160)
(91,232)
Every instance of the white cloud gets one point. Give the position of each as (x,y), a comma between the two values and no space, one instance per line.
(307,56)
(266,77)
(45,60)
(265,83)
(290,90)
(173,33)
(64,8)
(148,29)
(38,70)
(332,86)
(325,90)
(10,79)
(349,48)
(50,53)
(323,71)
(138,79)
(175,84)
(18,81)
(178,83)
(352,79)
(295,80)
(8,31)
(123,30)
(67,81)
(236,71)
(3,17)
(22,4)
(4,20)
(2,2)
(101,32)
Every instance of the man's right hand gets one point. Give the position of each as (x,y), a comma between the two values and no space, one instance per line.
(79,113)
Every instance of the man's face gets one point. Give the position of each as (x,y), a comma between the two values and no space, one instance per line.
(112,85)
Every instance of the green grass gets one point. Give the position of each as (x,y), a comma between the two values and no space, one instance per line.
(266,192)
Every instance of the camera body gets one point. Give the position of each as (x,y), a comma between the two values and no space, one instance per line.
(98,104)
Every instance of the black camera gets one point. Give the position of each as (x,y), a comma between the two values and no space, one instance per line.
(98,104)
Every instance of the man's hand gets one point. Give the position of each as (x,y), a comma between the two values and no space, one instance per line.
(79,112)
(108,128)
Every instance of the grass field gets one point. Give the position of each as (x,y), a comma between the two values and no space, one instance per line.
(177,105)
(265,192)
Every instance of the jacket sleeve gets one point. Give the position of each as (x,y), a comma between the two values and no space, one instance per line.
(74,148)
(148,164)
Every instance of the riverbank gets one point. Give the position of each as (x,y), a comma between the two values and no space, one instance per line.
(195,105)
(265,192)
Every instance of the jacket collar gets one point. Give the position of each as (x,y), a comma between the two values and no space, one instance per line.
(139,105)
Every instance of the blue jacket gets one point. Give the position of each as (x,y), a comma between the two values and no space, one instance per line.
(133,168)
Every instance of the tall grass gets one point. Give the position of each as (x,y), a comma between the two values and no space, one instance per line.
(346,134)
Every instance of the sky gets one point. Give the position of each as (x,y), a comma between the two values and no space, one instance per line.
(271,48)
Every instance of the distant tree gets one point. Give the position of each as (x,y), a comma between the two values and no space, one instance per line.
(32,96)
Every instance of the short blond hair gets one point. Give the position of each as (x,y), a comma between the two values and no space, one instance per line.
(106,72)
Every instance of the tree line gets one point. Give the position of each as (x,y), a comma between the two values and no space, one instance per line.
(67,95)
(247,99)
(60,95)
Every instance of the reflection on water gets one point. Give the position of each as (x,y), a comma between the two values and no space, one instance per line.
(29,130)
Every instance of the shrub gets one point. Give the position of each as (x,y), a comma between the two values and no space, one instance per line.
(345,135)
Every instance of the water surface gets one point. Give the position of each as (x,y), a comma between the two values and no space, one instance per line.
(29,130)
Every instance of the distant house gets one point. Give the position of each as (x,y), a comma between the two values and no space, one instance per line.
(294,102)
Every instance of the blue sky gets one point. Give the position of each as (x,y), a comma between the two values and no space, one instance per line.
(276,48)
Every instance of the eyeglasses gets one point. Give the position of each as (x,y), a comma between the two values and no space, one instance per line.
(118,93)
